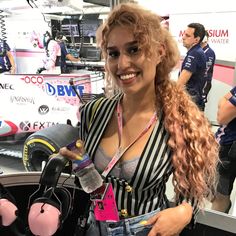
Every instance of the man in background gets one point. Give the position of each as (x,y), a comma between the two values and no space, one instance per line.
(65,55)
(194,65)
(7,62)
(211,57)
(226,136)
(52,57)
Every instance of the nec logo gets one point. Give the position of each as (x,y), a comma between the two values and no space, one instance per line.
(6,86)
(43,109)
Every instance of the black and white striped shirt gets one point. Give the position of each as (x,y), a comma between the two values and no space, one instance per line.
(154,167)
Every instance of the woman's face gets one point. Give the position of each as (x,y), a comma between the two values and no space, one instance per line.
(127,64)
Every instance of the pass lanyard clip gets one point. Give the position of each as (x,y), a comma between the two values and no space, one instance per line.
(120,152)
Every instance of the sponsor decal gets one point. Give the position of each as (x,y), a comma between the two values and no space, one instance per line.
(25,125)
(32,79)
(36,125)
(43,109)
(22,100)
(6,86)
(219,36)
(63,90)
(7,128)
(60,109)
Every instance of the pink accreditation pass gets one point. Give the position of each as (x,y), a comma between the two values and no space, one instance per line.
(105,208)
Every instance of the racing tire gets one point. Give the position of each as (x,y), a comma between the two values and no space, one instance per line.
(40,145)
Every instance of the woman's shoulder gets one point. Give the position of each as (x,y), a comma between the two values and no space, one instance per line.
(98,103)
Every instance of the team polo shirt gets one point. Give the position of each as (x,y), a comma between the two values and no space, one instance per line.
(64,53)
(226,134)
(211,57)
(5,64)
(195,62)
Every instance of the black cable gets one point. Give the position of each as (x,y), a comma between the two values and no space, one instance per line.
(28,1)
(34,3)
(74,88)
(3,33)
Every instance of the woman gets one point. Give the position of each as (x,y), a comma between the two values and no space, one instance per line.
(165,130)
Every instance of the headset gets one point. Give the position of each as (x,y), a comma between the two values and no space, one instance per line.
(59,35)
(8,208)
(205,39)
(48,212)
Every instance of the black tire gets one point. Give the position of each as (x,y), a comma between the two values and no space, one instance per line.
(43,143)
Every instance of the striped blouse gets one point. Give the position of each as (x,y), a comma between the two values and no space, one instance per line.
(153,169)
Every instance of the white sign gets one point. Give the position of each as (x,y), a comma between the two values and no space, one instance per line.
(33,102)
(221,29)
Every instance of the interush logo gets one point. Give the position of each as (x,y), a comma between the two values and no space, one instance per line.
(43,109)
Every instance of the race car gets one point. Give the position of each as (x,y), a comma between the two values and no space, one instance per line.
(33,104)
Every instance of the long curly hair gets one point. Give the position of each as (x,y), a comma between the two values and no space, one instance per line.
(194,148)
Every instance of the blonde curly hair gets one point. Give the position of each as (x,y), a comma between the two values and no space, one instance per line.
(194,147)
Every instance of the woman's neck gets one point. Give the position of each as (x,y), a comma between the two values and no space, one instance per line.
(137,104)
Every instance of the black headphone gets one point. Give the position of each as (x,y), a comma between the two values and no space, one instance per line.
(48,212)
(59,35)
(8,208)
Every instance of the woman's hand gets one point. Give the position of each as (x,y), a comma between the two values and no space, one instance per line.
(74,151)
(171,221)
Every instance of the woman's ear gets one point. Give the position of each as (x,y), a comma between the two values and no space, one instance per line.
(161,53)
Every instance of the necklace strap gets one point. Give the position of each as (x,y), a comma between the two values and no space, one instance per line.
(119,153)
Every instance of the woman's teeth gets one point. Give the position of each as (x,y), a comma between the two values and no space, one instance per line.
(126,77)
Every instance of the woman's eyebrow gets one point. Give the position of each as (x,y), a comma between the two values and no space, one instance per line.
(111,48)
(131,43)
(126,45)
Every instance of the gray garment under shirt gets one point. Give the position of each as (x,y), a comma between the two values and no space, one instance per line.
(124,170)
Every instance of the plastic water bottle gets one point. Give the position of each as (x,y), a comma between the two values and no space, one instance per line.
(89,178)
(84,168)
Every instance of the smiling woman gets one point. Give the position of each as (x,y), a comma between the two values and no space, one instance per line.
(148,131)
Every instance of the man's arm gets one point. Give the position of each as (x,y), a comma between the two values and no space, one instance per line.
(12,61)
(226,109)
(184,77)
(71,58)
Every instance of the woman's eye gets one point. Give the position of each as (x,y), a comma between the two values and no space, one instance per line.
(113,54)
(133,50)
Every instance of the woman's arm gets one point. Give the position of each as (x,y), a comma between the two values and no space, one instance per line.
(171,221)
(12,61)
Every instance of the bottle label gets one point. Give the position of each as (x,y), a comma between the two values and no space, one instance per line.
(105,208)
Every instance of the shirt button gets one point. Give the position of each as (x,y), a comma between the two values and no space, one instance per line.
(128,188)
(124,212)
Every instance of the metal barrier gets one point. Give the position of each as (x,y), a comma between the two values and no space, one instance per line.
(209,222)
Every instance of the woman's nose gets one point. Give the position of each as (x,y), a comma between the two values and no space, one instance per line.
(124,61)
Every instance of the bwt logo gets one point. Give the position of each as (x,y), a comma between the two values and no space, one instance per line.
(63,90)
